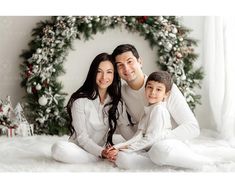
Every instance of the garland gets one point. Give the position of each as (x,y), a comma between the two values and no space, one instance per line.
(52,40)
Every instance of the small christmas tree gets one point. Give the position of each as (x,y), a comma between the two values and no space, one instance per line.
(24,128)
(5,112)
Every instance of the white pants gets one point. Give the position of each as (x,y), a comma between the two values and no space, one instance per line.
(69,152)
(166,152)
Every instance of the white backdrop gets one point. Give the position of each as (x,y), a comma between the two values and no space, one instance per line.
(15,34)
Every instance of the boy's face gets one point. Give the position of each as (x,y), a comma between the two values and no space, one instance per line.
(128,66)
(155,92)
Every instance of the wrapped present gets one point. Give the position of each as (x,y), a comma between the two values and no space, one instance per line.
(14,121)
(11,131)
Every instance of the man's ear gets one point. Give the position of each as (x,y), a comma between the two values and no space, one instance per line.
(140,61)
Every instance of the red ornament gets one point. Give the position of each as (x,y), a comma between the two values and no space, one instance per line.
(142,19)
(34,90)
(30,66)
(28,73)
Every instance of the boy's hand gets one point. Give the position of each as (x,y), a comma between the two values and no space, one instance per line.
(110,153)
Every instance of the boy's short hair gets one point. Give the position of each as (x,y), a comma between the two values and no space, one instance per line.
(162,77)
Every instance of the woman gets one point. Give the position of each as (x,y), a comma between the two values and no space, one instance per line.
(94,111)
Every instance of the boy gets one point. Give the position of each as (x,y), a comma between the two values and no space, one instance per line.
(155,122)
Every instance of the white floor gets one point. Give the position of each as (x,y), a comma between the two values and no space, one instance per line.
(32,154)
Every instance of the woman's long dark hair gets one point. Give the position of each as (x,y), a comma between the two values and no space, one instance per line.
(89,90)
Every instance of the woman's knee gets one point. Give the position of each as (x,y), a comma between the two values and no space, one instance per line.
(58,149)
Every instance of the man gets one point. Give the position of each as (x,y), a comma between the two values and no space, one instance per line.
(168,151)
(129,66)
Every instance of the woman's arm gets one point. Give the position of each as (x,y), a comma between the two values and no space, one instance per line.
(79,124)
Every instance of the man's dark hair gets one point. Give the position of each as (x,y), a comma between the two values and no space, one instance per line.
(125,48)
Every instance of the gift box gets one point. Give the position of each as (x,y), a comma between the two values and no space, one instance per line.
(11,132)
(13,121)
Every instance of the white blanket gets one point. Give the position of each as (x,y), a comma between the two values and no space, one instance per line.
(32,154)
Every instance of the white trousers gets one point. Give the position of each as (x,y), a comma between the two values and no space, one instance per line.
(166,152)
(68,152)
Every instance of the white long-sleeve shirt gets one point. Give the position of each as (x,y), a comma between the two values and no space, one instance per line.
(91,124)
(149,131)
(183,120)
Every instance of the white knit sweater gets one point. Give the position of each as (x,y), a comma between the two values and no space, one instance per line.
(185,125)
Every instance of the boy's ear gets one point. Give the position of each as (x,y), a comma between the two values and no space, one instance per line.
(167,95)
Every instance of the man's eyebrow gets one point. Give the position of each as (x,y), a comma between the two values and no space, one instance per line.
(126,60)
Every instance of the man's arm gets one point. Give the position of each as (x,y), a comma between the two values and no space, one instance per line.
(187,125)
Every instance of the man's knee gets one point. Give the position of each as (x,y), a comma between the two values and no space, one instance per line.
(159,152)
(122,160)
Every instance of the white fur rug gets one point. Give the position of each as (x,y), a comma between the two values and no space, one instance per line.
(32,154)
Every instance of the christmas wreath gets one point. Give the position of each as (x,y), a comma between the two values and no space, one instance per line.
(52,40)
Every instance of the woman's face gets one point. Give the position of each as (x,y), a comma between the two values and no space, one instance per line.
(105,75)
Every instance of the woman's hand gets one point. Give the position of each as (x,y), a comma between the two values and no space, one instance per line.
(110,153)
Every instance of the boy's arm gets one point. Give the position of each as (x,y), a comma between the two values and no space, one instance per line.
(156,129)
(136,137)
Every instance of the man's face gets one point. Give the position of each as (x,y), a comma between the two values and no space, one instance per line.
(129,67)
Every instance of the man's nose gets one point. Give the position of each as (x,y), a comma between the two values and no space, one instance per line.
(126,68)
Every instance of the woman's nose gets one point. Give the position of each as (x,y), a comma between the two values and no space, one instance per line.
(104,76)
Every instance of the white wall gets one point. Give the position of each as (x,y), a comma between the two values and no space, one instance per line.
(15,34)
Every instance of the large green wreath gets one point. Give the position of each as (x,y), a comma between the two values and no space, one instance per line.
(52,40)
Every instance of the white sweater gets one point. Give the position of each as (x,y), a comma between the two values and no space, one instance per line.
(149,132)
(183,120)
(91,124)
